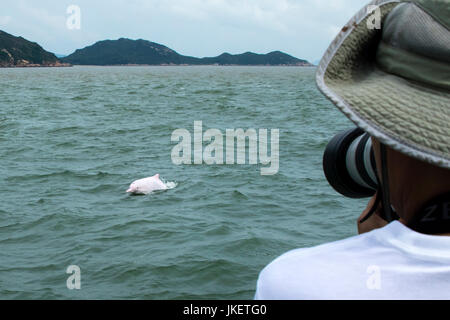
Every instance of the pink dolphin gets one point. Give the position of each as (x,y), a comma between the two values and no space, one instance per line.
(147,185)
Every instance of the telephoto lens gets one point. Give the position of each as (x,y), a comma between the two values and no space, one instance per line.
(349,164)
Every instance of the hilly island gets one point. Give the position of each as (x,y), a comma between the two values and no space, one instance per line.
(142,52)
(19,52)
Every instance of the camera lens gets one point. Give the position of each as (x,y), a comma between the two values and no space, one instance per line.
(349,164)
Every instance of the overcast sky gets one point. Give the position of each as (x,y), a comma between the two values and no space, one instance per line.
(302,28)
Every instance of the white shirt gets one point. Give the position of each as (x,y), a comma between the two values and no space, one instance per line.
(392,263)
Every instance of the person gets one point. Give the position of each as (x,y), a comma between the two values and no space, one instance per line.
(393,82)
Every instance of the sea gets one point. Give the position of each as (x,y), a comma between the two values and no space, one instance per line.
(73,139)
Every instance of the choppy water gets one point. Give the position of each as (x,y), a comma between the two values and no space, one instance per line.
(73,139)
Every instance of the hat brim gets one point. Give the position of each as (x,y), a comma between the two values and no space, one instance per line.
(410,117)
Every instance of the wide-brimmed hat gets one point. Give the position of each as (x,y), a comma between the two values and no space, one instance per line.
(388,71)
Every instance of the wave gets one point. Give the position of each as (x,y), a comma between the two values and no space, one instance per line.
(171,184)
(63,173)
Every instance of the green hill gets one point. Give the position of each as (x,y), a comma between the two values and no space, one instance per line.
(275,58)
(19,52)
(142,52)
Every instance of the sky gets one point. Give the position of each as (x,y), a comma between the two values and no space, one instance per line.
(201,28)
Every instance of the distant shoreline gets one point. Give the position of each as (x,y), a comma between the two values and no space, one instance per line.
(64,65)
(17,52)
(152,65)
(192,65)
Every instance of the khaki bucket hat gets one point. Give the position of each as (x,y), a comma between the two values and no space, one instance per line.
(393,79)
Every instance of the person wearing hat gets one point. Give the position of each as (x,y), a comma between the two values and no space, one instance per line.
(394,83)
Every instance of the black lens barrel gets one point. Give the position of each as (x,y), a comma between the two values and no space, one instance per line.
(335,166)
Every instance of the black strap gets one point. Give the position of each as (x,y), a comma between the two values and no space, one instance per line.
(382,196)
(389,214)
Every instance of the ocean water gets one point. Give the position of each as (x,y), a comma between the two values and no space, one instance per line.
(73,139)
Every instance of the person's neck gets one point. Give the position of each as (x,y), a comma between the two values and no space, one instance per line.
(410,202)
